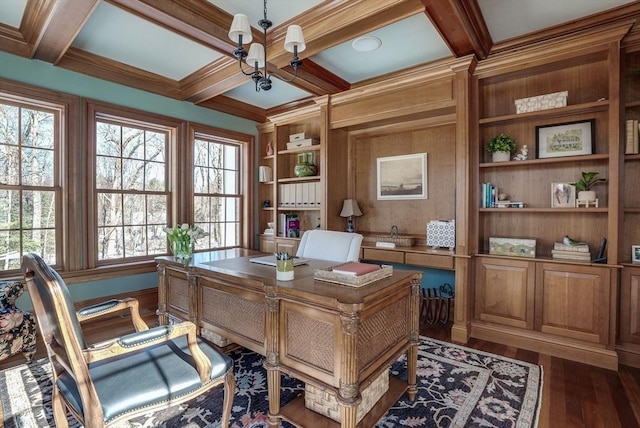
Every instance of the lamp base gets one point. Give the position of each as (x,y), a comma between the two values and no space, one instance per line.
(350,227)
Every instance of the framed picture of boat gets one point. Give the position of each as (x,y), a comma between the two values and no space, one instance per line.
(402,177)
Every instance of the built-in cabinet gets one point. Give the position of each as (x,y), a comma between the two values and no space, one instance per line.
(305,196)
(563,307)
(629,327)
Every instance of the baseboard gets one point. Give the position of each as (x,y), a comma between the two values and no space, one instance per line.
(595,355)
(628,354)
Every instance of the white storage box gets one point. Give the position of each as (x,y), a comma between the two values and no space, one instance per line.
(542,102)
(298,136)
(441,233)
(302,143)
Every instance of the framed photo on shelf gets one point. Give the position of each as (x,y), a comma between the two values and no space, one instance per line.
(402,177)
(563,195)
(635,253)
(566,139)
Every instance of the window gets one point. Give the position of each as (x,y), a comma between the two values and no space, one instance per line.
(217,191)
(132,194)
(30,188)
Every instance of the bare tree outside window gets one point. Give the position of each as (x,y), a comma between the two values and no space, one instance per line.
(132,194)
(29,184)
(217,195)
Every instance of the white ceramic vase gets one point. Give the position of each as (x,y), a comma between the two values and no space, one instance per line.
(501,156)
(587,195)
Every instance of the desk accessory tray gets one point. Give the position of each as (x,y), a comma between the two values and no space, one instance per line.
(354,281)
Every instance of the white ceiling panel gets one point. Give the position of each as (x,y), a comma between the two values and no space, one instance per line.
(278,11)
(506,19)
(406,43)
(113,33)
(11,12)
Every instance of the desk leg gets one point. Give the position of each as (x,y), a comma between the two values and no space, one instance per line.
(348,416)
(412,366)
(272,359)
(412,351)
(273,388)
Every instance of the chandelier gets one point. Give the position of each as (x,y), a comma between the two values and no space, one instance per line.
(256,58)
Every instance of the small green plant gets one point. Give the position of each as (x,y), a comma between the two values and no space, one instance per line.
(588,179)
(501,143)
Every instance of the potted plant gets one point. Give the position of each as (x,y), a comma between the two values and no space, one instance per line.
(584,185)
(501,147)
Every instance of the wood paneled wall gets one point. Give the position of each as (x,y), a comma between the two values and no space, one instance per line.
(411,216)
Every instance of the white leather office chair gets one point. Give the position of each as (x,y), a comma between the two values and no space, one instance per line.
(330,245)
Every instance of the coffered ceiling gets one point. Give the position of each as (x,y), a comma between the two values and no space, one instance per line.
(180,48)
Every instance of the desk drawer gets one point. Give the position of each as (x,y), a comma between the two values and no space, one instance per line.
(429,260)
(383,255)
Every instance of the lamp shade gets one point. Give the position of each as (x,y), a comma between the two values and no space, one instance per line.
(294,38)
(350,208)
(256,54)
(240,27)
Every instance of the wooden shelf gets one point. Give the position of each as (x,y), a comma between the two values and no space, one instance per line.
(299,179)
(546,210)
(314,148)
(573,159)
(550,113)
(298,208)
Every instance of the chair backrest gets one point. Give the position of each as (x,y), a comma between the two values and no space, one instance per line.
(57,321)
(330,245)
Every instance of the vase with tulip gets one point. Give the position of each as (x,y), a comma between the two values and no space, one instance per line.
(182,240)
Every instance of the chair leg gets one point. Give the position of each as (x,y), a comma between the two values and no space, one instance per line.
(59,410)
(229,391)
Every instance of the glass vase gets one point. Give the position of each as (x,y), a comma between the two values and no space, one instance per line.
(182,249)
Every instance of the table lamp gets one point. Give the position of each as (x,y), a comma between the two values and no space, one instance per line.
(350,208)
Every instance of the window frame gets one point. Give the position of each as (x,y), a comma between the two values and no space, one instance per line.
(67,130)
(99,111)
(247,176)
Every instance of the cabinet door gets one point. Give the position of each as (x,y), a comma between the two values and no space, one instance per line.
(267,244)
(284,245)
(630,305)
(505,291)
(573,301)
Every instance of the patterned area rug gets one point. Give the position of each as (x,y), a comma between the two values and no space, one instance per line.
(457,387)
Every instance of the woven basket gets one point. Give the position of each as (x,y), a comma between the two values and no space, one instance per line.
(325,402)
(400,241)
(353,281)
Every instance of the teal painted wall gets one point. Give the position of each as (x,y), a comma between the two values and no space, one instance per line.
(45,75)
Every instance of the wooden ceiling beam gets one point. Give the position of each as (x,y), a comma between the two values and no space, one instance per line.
(461,26)
(236,108)
(65,22)
(113,71)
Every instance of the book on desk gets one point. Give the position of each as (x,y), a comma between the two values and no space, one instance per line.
(355,269)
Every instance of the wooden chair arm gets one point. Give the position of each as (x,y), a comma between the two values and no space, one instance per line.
(111,306)
(151,337)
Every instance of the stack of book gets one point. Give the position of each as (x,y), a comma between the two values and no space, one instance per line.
(579,252)
(631,146)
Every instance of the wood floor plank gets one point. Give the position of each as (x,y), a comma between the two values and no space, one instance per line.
(627,398)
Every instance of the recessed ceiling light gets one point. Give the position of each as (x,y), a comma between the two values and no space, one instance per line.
(366,43)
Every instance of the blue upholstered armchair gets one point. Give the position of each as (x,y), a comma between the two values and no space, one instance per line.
(17,327)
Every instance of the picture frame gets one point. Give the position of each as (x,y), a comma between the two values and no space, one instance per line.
(635,253)
(402,177)
(566,139)
(563,195)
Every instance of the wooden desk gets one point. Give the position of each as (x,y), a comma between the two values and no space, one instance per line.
(337,338)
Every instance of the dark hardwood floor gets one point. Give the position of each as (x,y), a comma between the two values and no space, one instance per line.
(574,394)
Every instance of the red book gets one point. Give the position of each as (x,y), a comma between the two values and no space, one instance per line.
(355,269)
